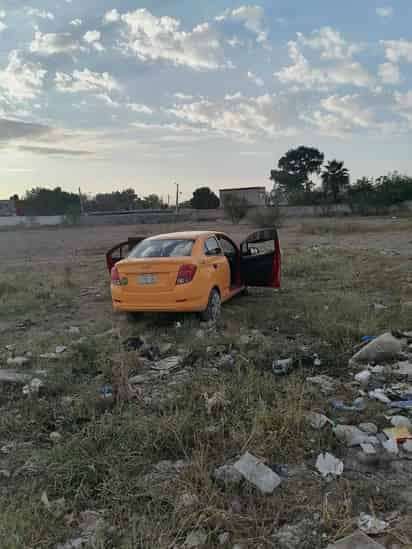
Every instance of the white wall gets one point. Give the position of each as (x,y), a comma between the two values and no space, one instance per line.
(13,221)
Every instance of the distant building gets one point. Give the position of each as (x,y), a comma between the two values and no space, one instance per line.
(256,196)
(7,208)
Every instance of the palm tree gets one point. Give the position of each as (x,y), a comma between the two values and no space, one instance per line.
(335,180)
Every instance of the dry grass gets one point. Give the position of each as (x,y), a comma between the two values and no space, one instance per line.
(339,226)
(106,450)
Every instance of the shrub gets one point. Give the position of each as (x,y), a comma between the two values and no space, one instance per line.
(271,216)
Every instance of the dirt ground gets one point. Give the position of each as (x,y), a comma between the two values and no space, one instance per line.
(78,468)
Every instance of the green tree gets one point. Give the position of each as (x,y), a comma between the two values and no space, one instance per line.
(292,178)
(151,202)
(204,199)
(335,181)
(112,202)
(40,201)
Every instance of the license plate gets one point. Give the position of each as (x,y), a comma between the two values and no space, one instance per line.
(147,279)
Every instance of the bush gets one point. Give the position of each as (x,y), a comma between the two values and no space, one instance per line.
(271,216)
(235,207)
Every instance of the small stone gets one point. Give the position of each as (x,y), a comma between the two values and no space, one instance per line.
(55,437)
(227,475)
(224,538)
(368,428)
(317,421)
(197,538)
(18,361)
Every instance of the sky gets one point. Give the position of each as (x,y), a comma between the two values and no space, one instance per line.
(110,94)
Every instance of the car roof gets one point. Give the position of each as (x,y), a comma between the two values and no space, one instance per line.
(184,235)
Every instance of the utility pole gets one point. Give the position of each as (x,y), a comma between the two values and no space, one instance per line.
(177,197)
(81,202)
(168,200)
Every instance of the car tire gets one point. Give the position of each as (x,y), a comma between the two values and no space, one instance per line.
(212,311)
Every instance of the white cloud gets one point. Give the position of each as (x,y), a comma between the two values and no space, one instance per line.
(404,105)
(336,67)
(111,16)
(397,50)
(42,14)
(183,96)
(239,117)
(256,79)
(108,100)
(92,38)
(151,37)
(384,12)
(234,42)
(76,22)
(21,80)
(252,17)
(3,26)
(2,14)
(138,107)
(350,109)
(84,81)
(389,73)
(52,43)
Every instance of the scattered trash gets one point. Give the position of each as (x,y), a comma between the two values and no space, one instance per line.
(408,446)
(178,325)
(227,475)
(399,434)
(379,394)
(404,369)
(367,339)
(216,402)
(357,540)
(18,361)
(351,435)
(368,428)
(357,405)
(329,466)
(224,538)
(405,404)
(33,388)
(106,391)
(391,446)
(325,383)
(282,367)
(363,377)
(55,437)
(317,421)
(401,421)
(379,307)
(368,448)
(13,376)
(74,330)
(257,473)
(49,356)
(167,364)
(60,349)
(371,525)
(381,349)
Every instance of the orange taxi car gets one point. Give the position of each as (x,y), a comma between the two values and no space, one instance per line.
(194,271)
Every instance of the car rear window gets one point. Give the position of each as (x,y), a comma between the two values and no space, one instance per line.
(163,248)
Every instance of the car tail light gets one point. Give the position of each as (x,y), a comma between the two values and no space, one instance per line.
(114,276)
(186,274)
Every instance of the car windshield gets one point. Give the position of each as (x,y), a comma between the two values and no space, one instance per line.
(163,248)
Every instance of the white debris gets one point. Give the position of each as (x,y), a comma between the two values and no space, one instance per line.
(317,421)
(368,428)
(363,377)
(404,369)
(33,387)
(55,437)
(351,435)
(382,349)
(368,448)
(74,330)
(60,349)
(329,466)
(257,473)
(18,361)
(371,525)
(325,383)
(379,394)
(391,446)
(407,446)
(49,356)
(401,421)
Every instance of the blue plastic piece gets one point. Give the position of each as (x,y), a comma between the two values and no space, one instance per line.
(367,339)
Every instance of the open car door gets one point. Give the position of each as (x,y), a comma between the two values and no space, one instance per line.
(260,262)
(120,251)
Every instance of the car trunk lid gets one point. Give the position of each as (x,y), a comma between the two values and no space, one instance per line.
(146,276)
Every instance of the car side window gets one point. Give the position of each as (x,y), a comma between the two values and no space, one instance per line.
(227,247)
(212,246)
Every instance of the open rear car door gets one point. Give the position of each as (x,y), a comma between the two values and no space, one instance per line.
(120,251)
(260,262)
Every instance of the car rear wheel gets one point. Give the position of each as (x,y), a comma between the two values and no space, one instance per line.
(212,311)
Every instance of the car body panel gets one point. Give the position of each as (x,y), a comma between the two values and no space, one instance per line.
(149,284)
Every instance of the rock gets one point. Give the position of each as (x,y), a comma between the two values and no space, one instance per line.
(384,348)
(258,474)
(363,377)
(350,435)
(401,421)
(55,437)
(12,376)
(167,364)
(357,540)
(227,475)
(197,538)
(33,388)
(18,361)
(224,538)
(371,525)
(325,383)
(329,466)
(317,421)
(368,428)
